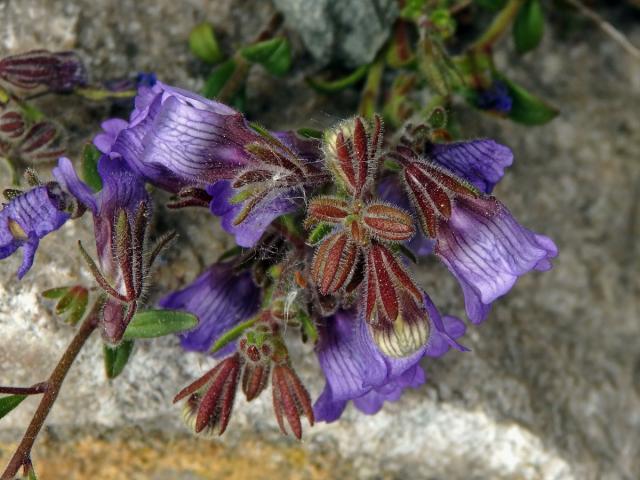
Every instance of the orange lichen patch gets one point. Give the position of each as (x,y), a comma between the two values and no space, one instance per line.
(156,456)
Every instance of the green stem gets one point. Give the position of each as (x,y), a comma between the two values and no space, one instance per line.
(371,90)
(498,27)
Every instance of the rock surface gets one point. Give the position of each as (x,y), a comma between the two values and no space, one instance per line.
(551,389)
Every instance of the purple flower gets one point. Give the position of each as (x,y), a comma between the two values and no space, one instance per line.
(356,370)
(175,138)
(479,162)
(496,98)
(249,231)
(486,249)
(29,217)
(57,71)
(476,236)
(122,191)
(221,298)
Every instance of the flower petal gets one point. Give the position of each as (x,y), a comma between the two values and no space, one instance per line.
(221,299)
(67,176)
(486,249)
(249,231)
(28,218)
(480,162)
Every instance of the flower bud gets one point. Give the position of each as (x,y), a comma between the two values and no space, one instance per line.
(57,71)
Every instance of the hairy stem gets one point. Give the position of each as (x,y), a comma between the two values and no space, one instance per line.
(22,454)
(498,27)
(32,390)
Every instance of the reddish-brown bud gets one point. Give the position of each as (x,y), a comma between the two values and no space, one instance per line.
(211,397)
(290,399)
(334,262)
(327,209)
(12,125)
(254,379)
(57,71)
(352,150)
(433,191)
(42,143)
(387,281)
(387,222)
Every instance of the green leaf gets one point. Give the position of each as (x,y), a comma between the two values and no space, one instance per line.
(10,402)
(116,358)
(54,293)
(309,329)
(309,133)
(528,26)
(157,323)
(90,156)
(331,86)
(203,43)
(100,94)
(273,54)
(232,334)
(218,78)
(319,232)
(492,5)
(413,9)
(4,97)
(526,107)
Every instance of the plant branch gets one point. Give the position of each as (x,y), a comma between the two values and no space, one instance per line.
(22,454)
(33,390)
(498,27)
(615,34)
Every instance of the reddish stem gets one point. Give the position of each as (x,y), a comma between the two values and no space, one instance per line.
(22,454)
(33,390)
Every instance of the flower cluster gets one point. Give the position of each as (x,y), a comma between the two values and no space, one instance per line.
(328,226)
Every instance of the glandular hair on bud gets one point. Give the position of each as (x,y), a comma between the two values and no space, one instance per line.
(402,337)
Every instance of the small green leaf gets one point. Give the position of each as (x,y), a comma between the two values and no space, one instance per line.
(54,293)
(528,26)
(157,323)
(10,402)
(331,86)
(309,329)
(232,335)
(218,78)
(230,253)
(492,5)
(31,113)
(100,94)
(273,54)
(526,107)
(319,232)
(203,43)
(412,9)
(32,474)
(4,97)
(116,358)
(90,156)
(309,133)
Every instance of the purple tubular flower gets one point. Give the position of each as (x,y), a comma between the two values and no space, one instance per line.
(29,217)
(122,190)
(221,299)
(176,138)
(356,370)
(249,231)
(486,249)
(480,162)
(58,71)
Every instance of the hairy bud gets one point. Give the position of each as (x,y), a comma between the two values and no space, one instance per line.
(57,71)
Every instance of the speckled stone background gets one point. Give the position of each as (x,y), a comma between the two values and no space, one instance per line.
(551,389)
